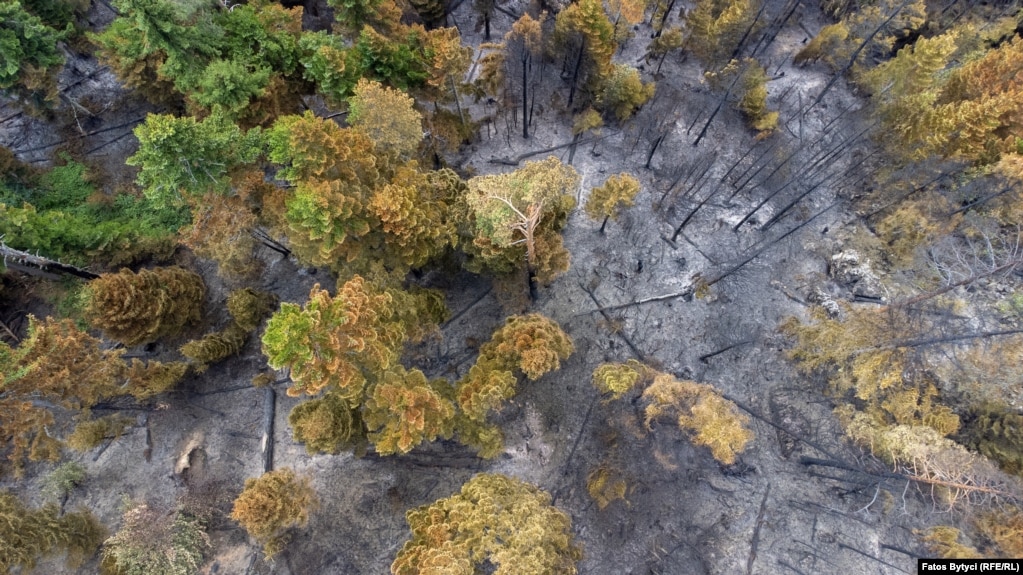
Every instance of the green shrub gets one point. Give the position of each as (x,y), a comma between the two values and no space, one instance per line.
(62,480)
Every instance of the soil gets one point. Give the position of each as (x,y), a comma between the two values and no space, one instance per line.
(683,512)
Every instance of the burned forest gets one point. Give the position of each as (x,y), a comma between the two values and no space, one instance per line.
(512,287)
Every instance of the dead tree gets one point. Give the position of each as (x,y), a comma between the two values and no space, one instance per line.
(775,27)
(721,102)
(269,411)
(856,54)
(766,246)
(40,266)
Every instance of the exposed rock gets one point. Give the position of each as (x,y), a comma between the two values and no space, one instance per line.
(824,299)
(852,271)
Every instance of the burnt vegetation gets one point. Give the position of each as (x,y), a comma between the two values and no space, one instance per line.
(782,240)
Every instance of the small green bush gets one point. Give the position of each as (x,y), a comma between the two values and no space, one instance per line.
(61,481)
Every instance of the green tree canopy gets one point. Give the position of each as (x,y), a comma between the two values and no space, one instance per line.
(520,214)
(29,54)
(183,156)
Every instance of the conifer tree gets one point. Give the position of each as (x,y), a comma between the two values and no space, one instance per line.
(855,353)
(398,58)
(221,231)
(625,14)
(622,92)
(716,27)
(359,208)
(1003,527)
(59,367)
(863,37)
(44,366)
(416,214)
(617,379)
(828,45)
(404,410)
(338,342)
(747,85)
(331,65)
(335,171)
(355,15)
(140,308)
(328,425)
(531,344)
(182,156)
(272,504)
(158,40)
(588,36)
(29,55)
(28,534)
(906,91)
(347,348)
(608,200)
(996,432)
(699,409)
(496,521)
(229,60)
(448,65)
(387,116)
(668,41)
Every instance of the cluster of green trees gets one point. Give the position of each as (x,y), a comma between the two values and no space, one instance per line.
(29,53)
(344,351)
(60,214)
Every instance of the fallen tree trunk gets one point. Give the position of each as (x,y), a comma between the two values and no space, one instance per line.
(607,318)
(518,159)
(269,409)
(40,266)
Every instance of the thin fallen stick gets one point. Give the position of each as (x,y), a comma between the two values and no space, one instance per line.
(756,532)
(466,309)
(621,334)
(868,555)
(683,293)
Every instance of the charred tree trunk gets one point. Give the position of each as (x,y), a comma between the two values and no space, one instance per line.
(526,60)
(534,290)
(653,149)
(575,72)
(856,54)
(269,410)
